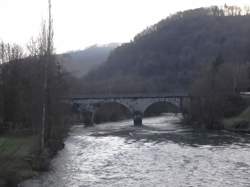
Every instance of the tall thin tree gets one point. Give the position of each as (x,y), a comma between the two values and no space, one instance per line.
(48,55)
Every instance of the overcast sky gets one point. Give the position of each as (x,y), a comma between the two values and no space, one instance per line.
(80,23)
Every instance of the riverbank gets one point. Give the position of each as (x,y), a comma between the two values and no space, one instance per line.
(240,123)
(15,157)
(20,158)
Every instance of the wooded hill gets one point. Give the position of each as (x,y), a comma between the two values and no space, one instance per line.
(167,56)
(80,62)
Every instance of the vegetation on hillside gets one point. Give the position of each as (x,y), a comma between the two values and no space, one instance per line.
(168,56)
(204,52)
(79,63)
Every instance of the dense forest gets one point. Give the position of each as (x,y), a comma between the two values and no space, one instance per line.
(169,55)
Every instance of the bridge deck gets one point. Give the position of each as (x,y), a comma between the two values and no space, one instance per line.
(97,97)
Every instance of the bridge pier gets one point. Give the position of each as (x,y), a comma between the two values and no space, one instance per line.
(92,118)
(80,116)
(137,119)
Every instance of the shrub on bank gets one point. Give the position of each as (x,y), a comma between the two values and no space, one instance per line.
(239,123)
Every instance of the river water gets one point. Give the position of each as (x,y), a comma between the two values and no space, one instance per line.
(162,153)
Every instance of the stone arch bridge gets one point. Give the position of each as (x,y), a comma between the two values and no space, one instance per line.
(136,104)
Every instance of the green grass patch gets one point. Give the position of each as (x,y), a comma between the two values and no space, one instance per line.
(11,146)
(15,155)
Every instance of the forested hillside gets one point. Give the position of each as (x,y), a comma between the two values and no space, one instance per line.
(166,57)
(79,63)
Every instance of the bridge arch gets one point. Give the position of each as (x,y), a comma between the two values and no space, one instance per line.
(159,107)
(144,105)
(111,111)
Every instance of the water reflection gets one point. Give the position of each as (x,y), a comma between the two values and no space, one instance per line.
(162,153)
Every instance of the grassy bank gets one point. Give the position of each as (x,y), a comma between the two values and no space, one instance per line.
(15,158)
(239,123)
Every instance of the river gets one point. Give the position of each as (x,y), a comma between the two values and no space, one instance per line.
(162,153)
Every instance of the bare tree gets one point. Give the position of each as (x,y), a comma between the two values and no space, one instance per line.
(47,46)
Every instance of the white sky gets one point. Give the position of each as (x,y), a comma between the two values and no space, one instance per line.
(80,23)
